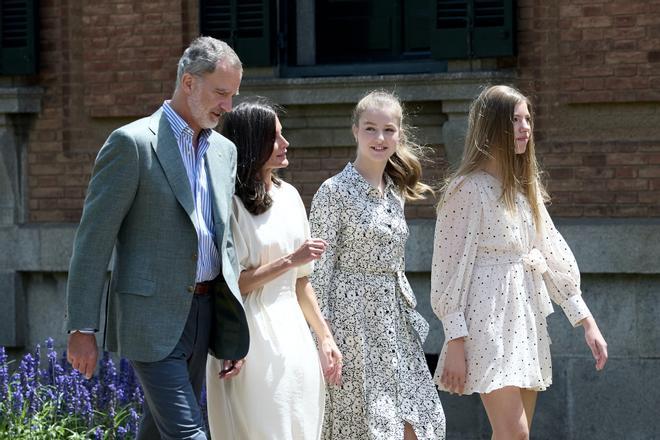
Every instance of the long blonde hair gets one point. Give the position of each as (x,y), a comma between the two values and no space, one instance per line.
(490,135)
(404,166)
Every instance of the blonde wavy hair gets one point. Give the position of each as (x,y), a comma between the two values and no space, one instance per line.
(404,166)
(490,135)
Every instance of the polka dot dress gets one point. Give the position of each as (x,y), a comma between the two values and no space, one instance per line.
(492,281)
(364,294)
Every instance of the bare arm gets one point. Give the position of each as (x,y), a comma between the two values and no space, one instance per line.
(331,358)
(252,279)
(595,341)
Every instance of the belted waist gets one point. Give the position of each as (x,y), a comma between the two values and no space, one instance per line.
(372,270)
(407,296)
(534,259)
(536,263)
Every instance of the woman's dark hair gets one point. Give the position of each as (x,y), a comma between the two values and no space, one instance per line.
(251,126)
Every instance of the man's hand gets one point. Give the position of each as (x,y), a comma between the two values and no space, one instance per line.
(230,368)
(82,353)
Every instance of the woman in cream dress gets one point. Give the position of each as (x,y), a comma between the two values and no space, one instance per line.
(279,393)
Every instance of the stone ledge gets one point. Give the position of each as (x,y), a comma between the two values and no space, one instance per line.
(451,86)
(600,245)
(37,248)
(20,99)
(617,246)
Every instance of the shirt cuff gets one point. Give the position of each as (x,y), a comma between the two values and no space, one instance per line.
(454,326)
(84,331)
(575,309)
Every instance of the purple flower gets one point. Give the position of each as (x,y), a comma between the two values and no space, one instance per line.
(17,401)
(133,422)
(4,377)
(121,433)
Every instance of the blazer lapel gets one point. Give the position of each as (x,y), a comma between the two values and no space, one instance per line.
(167,151)
(219,183)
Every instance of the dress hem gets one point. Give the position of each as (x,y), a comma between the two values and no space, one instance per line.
(490,389)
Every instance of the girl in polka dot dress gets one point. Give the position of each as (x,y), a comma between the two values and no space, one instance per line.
(498,261)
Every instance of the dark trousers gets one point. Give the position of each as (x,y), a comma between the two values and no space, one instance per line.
(173,386)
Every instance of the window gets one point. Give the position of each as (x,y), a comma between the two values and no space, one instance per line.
(18,37)
(362,32)
(246,25)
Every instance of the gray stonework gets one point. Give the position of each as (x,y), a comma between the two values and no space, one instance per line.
(621,284)
(329,100)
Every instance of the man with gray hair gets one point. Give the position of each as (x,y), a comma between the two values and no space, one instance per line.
(160,196)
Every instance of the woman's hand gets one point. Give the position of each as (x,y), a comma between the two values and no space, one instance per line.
(331,360)
(310,250)
(595,341)
(455,368)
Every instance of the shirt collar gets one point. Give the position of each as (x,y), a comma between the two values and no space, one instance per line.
(179,126)
(360,182)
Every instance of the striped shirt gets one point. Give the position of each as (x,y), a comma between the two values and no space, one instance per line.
(208,261)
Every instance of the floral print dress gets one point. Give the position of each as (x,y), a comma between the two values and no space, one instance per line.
(364,294)
(492,279)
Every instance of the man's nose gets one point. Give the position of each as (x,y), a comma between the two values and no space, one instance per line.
(226,104)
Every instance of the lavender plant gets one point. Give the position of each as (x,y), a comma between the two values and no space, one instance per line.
(50,400)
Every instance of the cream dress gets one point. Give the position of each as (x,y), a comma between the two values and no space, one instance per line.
(492,279)
(280,392)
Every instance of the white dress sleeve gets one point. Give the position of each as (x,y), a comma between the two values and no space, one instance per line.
(457,232)
(325,223)
(562,278)
(241,232)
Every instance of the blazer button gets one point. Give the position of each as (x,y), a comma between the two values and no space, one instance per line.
(191,289)
(194,256)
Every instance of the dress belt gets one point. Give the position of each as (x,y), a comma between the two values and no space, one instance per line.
(537,265)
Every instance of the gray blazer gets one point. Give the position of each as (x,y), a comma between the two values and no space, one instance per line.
(139,201)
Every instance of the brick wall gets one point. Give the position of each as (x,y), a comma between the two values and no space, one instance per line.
(102,64)
(593,70)
(591,66)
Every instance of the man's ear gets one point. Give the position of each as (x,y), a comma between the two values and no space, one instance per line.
(187,82)
(355,132)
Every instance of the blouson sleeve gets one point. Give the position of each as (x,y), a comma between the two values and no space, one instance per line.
(562,278)
(240,231)
(457,234)
(325,223)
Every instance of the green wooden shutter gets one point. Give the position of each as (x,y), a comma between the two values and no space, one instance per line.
(246,25)
(493,28)
(450,35)
(18,37)
(473,29)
